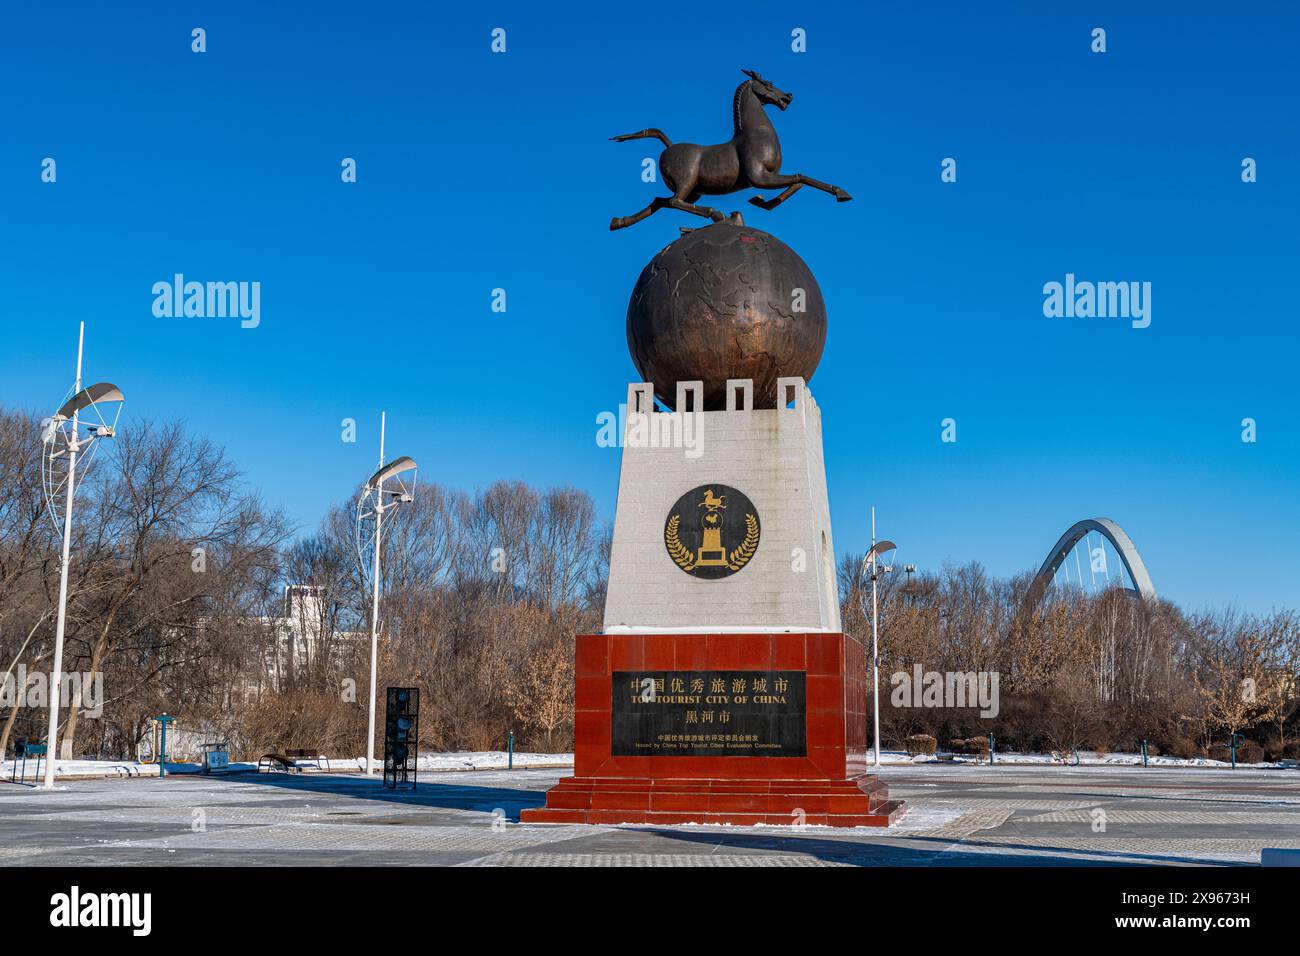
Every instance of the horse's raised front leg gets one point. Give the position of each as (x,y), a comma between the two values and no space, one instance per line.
(776,201)
(762,179)
(839,194)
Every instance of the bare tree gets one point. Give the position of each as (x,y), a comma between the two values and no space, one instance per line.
(185,537)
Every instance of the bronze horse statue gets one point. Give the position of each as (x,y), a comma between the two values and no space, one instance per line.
(750,159)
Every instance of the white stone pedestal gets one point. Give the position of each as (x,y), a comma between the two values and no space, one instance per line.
(774,456)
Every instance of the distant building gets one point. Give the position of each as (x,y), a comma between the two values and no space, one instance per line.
(304,638)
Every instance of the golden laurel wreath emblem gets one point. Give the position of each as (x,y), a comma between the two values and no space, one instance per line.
(686,559)
(740,556)
(682,556)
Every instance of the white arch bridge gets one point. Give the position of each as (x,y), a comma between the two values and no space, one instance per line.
(1119,540)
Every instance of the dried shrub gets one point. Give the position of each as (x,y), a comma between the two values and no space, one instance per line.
(279,722)
(922,744)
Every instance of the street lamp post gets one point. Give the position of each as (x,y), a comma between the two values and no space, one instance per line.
(374,606)
(876,569)
(61,440)
(373,498)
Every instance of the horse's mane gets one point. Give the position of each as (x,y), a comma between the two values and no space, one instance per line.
(735,105)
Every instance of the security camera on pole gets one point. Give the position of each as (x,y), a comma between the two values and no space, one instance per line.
(75,429)
(875,569)
(374,502)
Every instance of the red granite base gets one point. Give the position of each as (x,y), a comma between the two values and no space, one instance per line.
(826,786)
(863,802)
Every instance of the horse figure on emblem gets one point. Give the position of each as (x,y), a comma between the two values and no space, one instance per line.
(711,552)
(751,159)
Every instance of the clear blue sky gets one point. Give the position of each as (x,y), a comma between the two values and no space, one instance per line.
(479,171)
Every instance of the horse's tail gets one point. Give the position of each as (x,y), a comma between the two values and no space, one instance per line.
(644,134)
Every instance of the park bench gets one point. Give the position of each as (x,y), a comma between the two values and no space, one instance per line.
(287,762)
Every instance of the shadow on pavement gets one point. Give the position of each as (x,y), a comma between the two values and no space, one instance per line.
(451,796)
(846,847)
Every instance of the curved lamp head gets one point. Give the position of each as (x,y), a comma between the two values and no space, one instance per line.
(60,442)
(102,392)
(879,548)
(394,467)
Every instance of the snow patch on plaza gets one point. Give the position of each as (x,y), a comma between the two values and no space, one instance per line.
(428,763)
(1084,759)
(500,760)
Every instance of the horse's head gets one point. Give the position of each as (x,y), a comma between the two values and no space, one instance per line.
(767,94)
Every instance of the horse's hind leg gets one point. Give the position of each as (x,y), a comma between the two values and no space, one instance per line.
(708,212)
(666,202)
(622,222)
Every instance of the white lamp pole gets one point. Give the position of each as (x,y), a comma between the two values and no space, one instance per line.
(875,569)
(370,503)
(56,667)
(875,646)
(374,610)
(61,437)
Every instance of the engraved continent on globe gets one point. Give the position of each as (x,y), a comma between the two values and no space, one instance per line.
(725,302)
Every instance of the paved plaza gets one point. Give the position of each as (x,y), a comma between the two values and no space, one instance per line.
(957,815)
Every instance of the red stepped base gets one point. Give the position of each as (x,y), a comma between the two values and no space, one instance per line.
(862,802)
(827,786)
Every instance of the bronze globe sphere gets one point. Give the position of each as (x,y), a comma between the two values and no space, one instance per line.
(726,301)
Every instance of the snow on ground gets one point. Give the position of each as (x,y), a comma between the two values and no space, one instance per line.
(80,768)
(469,760)
(499,760)
(1087,758)
(894,758)
(459,760)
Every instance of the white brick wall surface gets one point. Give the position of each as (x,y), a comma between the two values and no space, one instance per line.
(774,456)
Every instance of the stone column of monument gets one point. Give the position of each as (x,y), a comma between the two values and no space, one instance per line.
(721,688)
